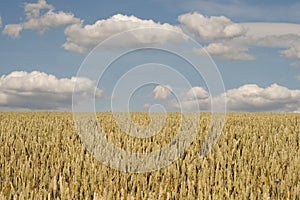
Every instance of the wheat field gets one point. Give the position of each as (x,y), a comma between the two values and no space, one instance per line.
(257,156)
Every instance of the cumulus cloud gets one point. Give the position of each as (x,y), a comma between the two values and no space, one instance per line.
(222,34)
(225,38)
(32,10)
(82,38)
(255,98)
(35,21)
(13,30)
(197,93)
(162,91)
(195,98)
(248,97)
(225,50)
(293,52)
(272,35)
(210,28)
(50,19)
(38,90)
(231,40)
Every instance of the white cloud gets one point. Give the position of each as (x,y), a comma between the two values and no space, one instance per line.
(162,91)
(13,30)
(32,10)
(226,50)
(274,35)
(221,32)
(249,97)
(231,40)
(0,21)
(35,21)
(38,90)
(293,52)
(196,97)
(210,28)
(246,10)
(277,92)
(82,38)
(228,40)
(262,29)
(255,98)
(197,93)
(50,19)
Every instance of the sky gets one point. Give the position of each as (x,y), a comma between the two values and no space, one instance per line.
(135,55)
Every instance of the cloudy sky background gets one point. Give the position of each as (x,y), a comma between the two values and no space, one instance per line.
(254,44)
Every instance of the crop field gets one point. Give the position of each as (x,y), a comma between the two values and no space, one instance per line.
(257,156)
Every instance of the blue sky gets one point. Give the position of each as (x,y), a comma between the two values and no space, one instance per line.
(254,44)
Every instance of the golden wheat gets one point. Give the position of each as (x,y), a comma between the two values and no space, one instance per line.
(256,157)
